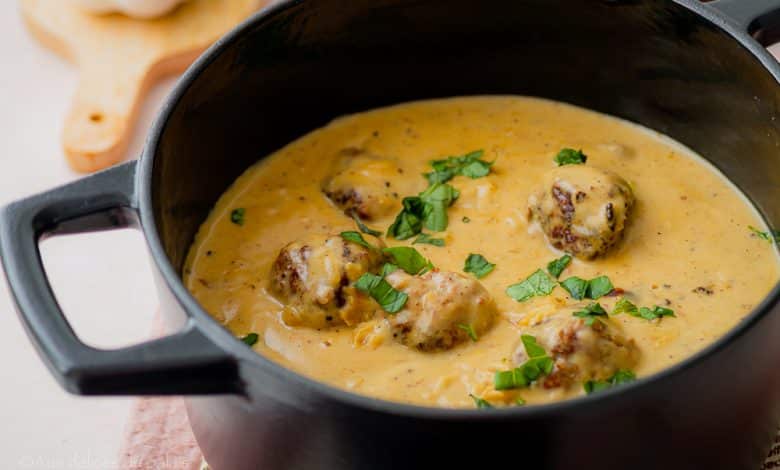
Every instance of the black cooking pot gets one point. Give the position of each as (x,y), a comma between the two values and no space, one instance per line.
(689,70)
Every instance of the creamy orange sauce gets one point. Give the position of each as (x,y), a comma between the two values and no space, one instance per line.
(688,230)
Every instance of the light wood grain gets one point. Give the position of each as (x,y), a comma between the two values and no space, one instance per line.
(119,58)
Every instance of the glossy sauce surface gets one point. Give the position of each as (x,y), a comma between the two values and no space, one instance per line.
(687,245)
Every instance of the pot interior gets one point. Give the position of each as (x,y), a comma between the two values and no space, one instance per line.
(651,62)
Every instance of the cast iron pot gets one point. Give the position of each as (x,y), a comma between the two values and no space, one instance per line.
(690,70)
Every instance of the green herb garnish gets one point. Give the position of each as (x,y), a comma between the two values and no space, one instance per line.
(594,289)
(569,156)
(519,401)
(469,331)
(621,377)
(478,265)
(655,312)
(771,236)
(428,240)
(391,300)
(556,267)
(538,364)
(465,220)
(429,209)
(590,313)
(576,287)
(408,259)
(479,402)
(625,306)
(470,165)
(363,228)
(250,339)
(237,216)
(537,284)
(356,237)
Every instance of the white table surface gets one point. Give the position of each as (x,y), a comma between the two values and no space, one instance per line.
(102,280)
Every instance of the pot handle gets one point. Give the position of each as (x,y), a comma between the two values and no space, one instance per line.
(186,362)
(745,12)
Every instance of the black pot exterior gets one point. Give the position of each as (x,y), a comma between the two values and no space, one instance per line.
(675,66)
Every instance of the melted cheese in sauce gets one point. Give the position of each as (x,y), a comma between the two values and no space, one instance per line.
(687,245)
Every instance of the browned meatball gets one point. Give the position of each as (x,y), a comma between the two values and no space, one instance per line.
(582,210)
(580,352)
(442,306)
(363,185)
(314,278)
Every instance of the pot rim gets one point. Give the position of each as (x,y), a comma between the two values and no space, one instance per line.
(224,339)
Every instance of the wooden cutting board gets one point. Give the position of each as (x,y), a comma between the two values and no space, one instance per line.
(119,59)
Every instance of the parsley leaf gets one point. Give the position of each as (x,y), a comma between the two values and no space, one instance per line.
(656,312)
(237,216)
(625,306)
(576,287)
(556,267)
(771,236)
(621,377)
(479,402)
(465,220)
(250,339)
(363,228)
(408,259)
(538,364)
(519,401)
(469,331)
(428,240)
(428,209)
(470,165)
(436,199)
(391,300)
(478,265)
(590,312)
(580,289)
(537,284)
(356,237)
(599,287)
(569,156)
(408,222)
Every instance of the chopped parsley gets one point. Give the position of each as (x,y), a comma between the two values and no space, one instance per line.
(556,266)
(469,331)
(478,265)
(391,300)
(429,209)
(594,289)
(772,236)
(408,259)
(590,313)
(655,312)
(250,339)
(428,240)
(363,228)
(519,401)
(538,364)
(621,377)
(470,165)
(465,220)
(356,237)
(479,402)
(237,216)
(625,306)
(537,284)
(569,156)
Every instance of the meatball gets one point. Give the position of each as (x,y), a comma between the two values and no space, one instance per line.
(314,278)
(582,210)
(581,353)
(442,307)
(361,185)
